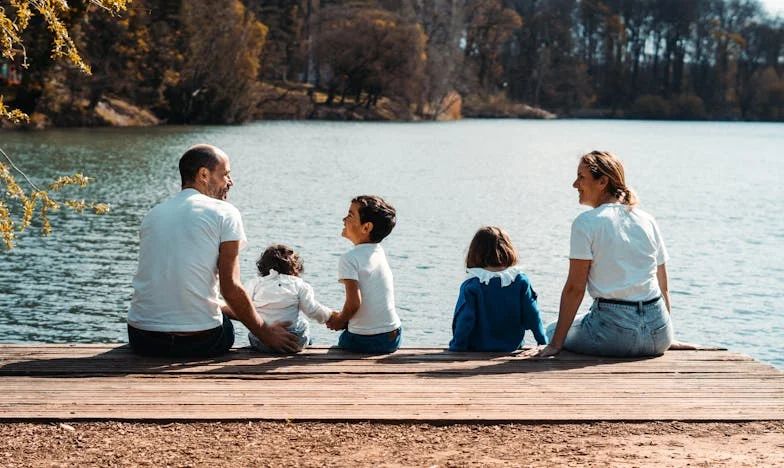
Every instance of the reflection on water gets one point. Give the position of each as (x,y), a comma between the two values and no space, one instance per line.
(719,206)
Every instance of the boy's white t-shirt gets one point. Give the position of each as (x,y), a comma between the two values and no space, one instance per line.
(367,264)
(280,298)
(625,248)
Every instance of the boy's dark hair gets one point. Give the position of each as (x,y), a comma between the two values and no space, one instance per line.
(194,159)
(491,247)
(282,259)
(377,211)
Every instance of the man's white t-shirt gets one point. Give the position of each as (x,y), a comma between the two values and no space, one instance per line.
(367,264)
(176,285)
(625,248)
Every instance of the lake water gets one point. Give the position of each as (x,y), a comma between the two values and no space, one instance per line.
(715,188)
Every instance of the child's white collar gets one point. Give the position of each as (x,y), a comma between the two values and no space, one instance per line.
(273,273)
(507,276)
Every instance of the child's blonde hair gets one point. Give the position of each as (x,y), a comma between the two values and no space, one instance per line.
(491,247)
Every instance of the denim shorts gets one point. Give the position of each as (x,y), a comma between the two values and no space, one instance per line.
(620,330)
(301,329)
(382,343)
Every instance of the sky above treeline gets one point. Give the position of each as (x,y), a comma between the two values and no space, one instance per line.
(774,6)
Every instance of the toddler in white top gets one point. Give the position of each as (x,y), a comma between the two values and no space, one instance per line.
(280,295)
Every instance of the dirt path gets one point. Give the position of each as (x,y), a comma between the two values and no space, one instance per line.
(365,444)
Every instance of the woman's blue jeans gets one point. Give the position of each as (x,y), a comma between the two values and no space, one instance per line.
(620,330)
(383,343)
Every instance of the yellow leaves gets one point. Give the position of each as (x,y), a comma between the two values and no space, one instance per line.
(384,24)
(37,199)
(6,226)
(14,21)
(76,179)
(14,115)
(17,209)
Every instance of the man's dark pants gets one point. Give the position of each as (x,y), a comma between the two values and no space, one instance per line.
(208,343)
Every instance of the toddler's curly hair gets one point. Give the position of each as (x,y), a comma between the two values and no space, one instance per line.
(282,259)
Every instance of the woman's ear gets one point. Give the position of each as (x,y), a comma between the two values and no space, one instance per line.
(604,181)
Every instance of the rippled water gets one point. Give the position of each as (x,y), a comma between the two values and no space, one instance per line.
(715,188)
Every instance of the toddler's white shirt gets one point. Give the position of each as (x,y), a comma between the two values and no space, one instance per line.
(280,298)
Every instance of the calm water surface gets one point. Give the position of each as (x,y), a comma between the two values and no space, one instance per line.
(715,188)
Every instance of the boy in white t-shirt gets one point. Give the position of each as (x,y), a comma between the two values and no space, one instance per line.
(368,318)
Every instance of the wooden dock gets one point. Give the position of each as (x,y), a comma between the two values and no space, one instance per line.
(107,382)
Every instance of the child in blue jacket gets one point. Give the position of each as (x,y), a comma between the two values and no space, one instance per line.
(496,303)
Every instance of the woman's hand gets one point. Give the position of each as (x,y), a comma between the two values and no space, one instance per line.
(545,352)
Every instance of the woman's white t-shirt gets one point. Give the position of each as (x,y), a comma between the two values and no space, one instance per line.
(625,248)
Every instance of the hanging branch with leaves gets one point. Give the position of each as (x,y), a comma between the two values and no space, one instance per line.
(17,206)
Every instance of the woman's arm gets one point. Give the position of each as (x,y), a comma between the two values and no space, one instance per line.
(571,297)
(661,276)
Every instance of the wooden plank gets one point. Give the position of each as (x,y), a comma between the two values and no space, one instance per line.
(100,351)
(70,382)
(441,413)
(115,360)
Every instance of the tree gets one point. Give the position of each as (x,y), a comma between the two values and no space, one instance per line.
(284,53)
(443,23)
(17,206)
(488,26)
(218,82)
(368,54)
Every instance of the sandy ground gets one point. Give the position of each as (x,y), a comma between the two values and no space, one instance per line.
(366,444)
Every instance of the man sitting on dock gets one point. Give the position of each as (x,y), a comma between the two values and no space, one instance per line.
(188,245)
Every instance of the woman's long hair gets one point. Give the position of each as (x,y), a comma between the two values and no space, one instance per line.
(604,163)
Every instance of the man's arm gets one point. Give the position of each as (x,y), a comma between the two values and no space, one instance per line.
(275,336)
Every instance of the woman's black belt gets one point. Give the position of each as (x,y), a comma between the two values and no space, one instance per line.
(628,303)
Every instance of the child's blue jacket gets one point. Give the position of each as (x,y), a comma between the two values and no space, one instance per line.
(489,317)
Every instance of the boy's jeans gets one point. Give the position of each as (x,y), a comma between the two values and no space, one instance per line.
(301,329)
(620,330)
(383,343)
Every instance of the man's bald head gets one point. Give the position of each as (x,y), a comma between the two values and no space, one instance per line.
(197,157)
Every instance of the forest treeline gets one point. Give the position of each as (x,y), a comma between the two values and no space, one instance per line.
(229,61)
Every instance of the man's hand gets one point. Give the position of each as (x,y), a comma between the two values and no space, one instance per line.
(278,338)
(336,322)
(545,352)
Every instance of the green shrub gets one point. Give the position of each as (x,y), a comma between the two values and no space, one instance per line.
(687,107)
(650,106)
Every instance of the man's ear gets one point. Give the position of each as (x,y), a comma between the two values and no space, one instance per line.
(367,227)
(203,173)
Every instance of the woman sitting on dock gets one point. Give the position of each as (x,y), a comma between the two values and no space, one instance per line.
(616,250)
